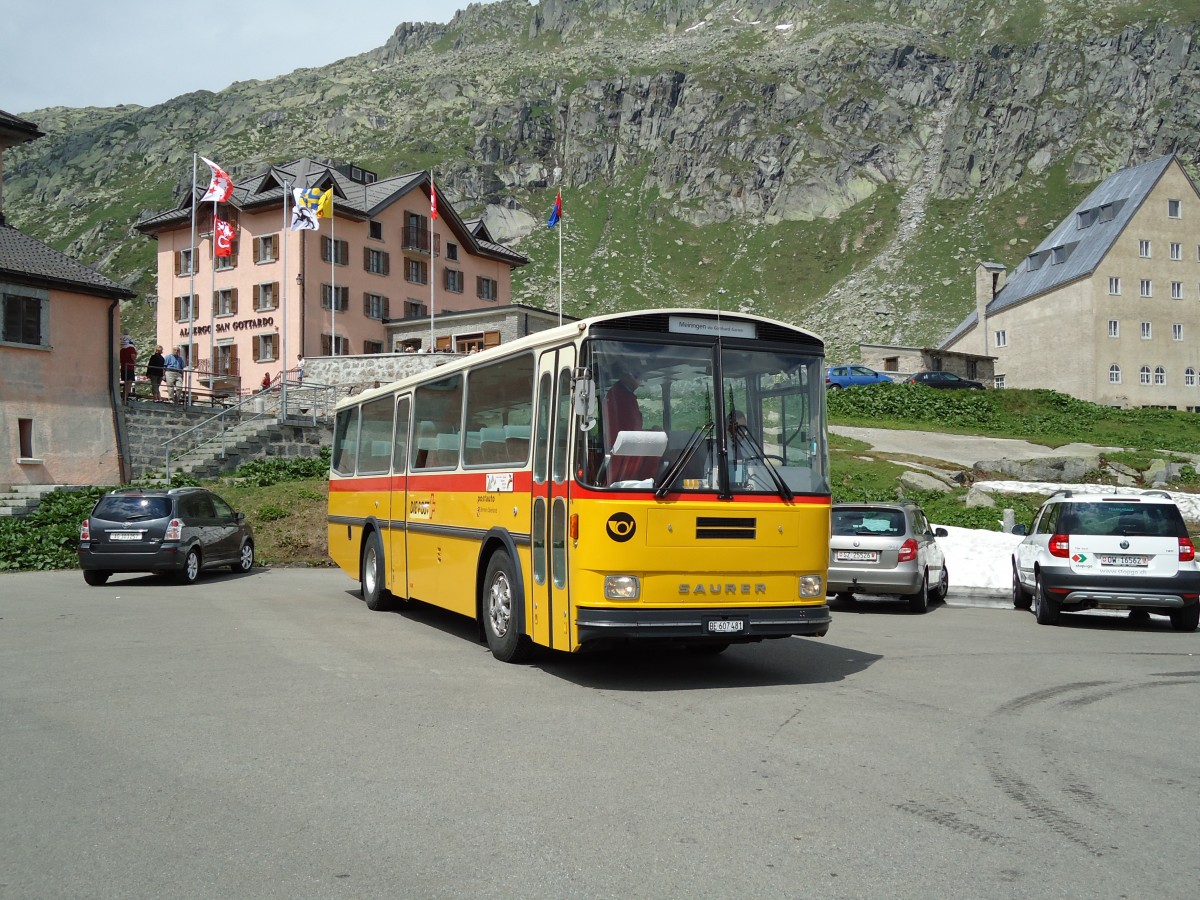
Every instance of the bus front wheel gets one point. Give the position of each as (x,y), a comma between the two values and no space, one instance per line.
(500,622)
(372,574)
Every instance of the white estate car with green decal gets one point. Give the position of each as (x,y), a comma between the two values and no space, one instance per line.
(1108,551)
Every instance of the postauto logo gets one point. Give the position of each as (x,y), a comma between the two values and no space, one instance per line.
(620,527)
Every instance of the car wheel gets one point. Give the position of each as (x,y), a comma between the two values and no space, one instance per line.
(1021,598)
(919,602)
(95,577)
(245,559)
(191,567)
(943,588)
(499,611)
(372,575)
(1045,609)
(833,387)
(1186,619)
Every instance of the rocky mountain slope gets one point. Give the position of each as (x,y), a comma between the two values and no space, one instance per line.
(838,164)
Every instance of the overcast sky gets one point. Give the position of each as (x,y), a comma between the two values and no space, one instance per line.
(90,53)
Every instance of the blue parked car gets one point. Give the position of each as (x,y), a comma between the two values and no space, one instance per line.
(852,376)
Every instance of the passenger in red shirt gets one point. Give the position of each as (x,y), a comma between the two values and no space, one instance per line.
(622,413)
(128,367)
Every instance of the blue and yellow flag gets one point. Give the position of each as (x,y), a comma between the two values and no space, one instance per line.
(311,204)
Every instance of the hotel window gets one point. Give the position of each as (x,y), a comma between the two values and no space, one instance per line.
(329,349)
(1176,250)
(1114,328)
(1144,375)
(375,306)
(26,320)
(416,271)
(375,230)
(225,302)
(266,296)
(1114,374)
(1177,332)
(1146,288)
(226,359)
(1176,290)
(485,288)
(1001,338)
(372,346)
(266,347)
(1160,375)
(454,281)
(343,297)
(451,251)
(25,438)
(998,382)
(266,248)
(1173,209)
(414,308)
(185,311)
(1114,286)
(225,263)
(376,261)
(1189,377)
(1146,331)
(183,262)
(1144,249)
(341,249)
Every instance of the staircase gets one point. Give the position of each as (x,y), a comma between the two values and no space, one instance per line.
(18,501)
(258,438)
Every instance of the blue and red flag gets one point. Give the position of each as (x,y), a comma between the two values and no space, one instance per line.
(556,213)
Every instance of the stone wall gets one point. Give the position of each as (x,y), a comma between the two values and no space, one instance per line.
(365,370)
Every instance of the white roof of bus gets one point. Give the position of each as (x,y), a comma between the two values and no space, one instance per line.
(552,336)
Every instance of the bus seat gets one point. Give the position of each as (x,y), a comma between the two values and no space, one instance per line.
(426,444)
(473,448)
(516,439)
(492,444)
(446,451)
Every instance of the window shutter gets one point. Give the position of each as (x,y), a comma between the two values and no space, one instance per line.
(233,301)
(274,295)
(178,263)
(216,294)
(386,308)
(256,296)
(366,259)
(367,305)
(256,347)
(387,262)
(491,338)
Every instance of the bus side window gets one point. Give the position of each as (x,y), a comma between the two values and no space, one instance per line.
(345,442)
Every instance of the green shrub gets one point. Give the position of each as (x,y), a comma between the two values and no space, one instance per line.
(271,513)
(265,472)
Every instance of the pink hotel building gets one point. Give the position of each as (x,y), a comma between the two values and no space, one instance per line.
(338,284)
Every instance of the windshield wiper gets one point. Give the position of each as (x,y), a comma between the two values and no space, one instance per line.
(682,460)
(760,454)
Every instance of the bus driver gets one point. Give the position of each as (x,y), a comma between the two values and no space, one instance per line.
(622,413)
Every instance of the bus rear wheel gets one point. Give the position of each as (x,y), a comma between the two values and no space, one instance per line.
(372,575)
(500,624)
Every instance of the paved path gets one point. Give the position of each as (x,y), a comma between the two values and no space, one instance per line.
(962,449)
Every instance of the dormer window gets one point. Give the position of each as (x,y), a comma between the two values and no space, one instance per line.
(1107,211)
(1086,218)
(1058,256)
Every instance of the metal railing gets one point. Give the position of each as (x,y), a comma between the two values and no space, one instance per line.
(287,401)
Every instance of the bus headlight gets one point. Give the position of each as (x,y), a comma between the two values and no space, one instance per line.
(622,587)
(812,586)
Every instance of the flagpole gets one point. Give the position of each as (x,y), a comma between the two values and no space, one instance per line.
(283,285)
(212,363)
(432,219)
(332,278)
(560,231)
(192,279)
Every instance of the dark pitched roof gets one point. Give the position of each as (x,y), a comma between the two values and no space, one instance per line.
(28,261)
(16,127)
(351,198)
(1077,246)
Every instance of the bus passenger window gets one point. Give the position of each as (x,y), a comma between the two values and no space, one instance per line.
(345,442)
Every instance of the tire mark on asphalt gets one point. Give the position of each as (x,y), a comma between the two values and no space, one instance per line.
(1021,703)
(1096,697)
(953,821)
(1037,804)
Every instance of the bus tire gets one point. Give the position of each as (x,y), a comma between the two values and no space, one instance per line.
(498,610)
(371,575)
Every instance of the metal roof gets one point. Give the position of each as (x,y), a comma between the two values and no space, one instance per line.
(27,260)
(1077,246)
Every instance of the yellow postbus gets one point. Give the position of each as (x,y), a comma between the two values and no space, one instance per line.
(658,475)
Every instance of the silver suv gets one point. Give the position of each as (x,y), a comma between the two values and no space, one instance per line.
(1108,551)
(887,548)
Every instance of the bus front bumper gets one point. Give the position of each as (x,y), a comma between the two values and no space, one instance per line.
(725,625)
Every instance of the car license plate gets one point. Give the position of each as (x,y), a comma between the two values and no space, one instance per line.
(1127,562)
(726,626)
(124,535)
(856,555)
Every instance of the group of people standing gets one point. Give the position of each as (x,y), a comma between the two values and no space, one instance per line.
(159,368)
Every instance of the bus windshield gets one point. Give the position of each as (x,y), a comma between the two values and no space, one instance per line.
(725,417)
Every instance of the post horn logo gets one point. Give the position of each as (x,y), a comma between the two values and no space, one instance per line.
(621,527)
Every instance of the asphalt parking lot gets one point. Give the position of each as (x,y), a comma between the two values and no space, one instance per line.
(268,736)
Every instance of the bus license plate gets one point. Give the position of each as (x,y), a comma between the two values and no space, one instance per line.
(856,556)
(726,626)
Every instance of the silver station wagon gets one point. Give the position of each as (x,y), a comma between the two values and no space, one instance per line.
(886,548)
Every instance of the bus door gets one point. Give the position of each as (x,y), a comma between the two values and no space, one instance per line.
(397,535)
(551,495)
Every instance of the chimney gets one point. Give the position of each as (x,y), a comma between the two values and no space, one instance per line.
(989,279)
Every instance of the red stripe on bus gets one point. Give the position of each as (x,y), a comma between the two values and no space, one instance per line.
(467,482)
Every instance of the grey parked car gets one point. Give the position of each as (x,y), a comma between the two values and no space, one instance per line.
(177,530)
(887,548)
